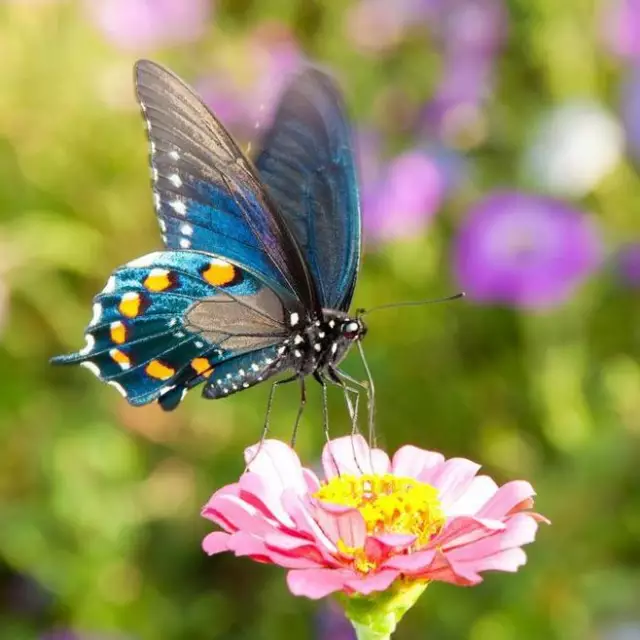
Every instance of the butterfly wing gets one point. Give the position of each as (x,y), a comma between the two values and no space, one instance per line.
(174,319)
(308,166)
(207,194)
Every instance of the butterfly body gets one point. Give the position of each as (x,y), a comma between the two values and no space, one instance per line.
(259,261)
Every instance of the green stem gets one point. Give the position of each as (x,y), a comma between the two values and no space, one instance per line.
(376,617)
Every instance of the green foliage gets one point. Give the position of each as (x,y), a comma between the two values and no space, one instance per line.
(99,502)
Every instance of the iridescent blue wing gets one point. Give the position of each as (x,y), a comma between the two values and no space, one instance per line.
(207,194)
(308,167)
(171,320)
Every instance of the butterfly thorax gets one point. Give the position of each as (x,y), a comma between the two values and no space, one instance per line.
(320,343)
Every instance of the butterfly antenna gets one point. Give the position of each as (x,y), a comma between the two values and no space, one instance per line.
(415,303)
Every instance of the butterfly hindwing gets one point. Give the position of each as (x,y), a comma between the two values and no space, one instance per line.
(167,321)
(207,194)
(308,166)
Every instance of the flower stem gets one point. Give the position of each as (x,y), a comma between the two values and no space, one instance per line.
(376,617)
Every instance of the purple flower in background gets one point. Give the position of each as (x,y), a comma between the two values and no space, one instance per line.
(525,250)
(630,109)
(142,24)
(404,199)
(332,623)
(629,264)
(374,26)
(471,34)
(621,27)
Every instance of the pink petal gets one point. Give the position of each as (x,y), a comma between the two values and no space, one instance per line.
(243,544)
(277,463)
(239,514)
(412,562)
(481,489)
(521,529)
(452,479)
(305,524)
(311,479)
(351,455)
(410,461)
(464,530)
(506,498)
(348,526)
(317,583)
(269,495)
(378,581)
(216,542)
(395,541)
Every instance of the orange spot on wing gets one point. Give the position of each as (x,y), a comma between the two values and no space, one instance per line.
(219,273)
(158,370)
(121,358)
(130,304)
(158,280)
(202,367)
(118,332)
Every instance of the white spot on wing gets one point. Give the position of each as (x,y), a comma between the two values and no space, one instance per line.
(91,341)
(110,286)
(174,155)
(334,347)
(184,243)
(298,339)
(119,387)
(294,318)
(297,353)
(156,200)
(144,261)
(199,344)
(255,367)
(175,180)
(179,207)
(317,347)
(186,229)
(97,313)
(163,225)
(92,366)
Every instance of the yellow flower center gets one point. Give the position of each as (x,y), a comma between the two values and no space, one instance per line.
(388,504)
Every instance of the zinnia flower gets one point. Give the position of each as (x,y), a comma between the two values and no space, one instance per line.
(373,523)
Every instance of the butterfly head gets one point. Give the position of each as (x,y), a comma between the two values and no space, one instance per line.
(353,329)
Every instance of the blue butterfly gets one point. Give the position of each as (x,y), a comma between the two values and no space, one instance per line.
(260,260)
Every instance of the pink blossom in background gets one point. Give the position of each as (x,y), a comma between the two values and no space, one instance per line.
(404,199)
(244,96)
(375,26)
(372,520)
(525,250)
(630,110)
(138,25)
(620,24)
(471,34)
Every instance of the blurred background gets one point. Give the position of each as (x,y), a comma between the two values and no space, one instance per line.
(499,145)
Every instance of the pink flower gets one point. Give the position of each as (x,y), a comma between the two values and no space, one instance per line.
(373,520)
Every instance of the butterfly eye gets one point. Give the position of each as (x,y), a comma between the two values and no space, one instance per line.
(350,329)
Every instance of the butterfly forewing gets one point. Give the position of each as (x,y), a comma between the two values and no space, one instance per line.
(308,166)
(207,194)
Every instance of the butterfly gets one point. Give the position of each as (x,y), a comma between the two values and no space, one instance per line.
(260,258)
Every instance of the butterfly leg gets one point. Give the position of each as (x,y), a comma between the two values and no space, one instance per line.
(265,427)
(335,379)
(303,402)
(369,389)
